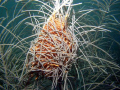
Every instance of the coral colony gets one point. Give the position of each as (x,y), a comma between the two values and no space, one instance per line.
(52,52)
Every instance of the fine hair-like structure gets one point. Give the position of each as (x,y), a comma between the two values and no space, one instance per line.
(52,52)
(59,45)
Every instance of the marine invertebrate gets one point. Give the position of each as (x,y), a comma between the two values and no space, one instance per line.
(56,45)
(52,52)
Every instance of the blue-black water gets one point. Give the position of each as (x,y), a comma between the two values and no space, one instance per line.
(9,10)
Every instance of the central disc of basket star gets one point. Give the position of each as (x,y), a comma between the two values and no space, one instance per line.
(54,47)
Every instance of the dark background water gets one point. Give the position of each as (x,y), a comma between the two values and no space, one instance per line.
(8,11)
(115,11)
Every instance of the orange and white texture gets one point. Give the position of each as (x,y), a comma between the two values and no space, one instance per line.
(54,49)
(52,53)
(66,42)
